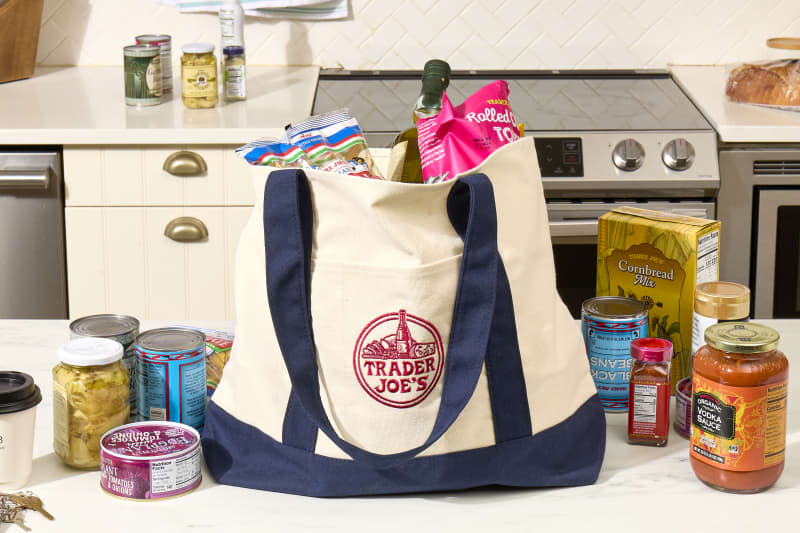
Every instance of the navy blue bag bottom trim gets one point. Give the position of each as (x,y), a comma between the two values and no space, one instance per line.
(569,453)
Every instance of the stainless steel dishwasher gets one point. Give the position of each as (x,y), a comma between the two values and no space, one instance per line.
(32,261)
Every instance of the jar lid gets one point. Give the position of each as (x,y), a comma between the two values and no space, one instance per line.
(742,337)
(233,50)
(198,48)
(17,392)
(724,300)
(651,349)
(90,351)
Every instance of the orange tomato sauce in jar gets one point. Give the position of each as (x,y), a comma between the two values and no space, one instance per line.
(739,386)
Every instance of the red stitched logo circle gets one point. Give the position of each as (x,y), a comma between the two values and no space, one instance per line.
(398,359)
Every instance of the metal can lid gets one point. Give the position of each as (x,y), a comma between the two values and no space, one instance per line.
(614,308)
(742,337)
(153,38)
(90,351)
(170,340)
(141,50)
(171,438)
(198,48)
(723,300)
(104,325)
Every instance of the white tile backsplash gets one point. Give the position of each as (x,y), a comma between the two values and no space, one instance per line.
(388,34)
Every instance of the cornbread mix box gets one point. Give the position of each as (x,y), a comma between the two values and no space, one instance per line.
(659,258)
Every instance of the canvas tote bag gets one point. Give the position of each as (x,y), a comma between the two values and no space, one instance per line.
(399,338)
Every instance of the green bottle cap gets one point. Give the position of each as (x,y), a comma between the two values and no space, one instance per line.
(435,76)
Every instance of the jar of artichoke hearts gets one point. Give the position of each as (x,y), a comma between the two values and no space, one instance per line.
(90,397)
(199,75)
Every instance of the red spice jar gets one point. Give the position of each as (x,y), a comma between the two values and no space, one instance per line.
(649,392)
(739,384)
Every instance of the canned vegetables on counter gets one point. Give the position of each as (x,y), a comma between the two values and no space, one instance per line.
(121,328)
(609,325)
(171,369)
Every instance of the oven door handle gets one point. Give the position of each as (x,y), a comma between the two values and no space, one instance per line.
(574,228)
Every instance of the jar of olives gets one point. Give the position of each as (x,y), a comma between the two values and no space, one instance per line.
(199,75)
(90,397)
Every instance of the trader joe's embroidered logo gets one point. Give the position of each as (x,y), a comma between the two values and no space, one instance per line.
(398,359)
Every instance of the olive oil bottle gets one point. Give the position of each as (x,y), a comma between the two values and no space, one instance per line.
(435,79)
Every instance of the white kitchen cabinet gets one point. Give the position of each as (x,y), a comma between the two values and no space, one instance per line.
(120,261)
(119,200)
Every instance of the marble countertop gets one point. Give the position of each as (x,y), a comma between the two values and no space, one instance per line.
(86,105)
(639,488)
(735,122)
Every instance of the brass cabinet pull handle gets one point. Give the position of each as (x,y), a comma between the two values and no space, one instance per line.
(185,163)
(186,229)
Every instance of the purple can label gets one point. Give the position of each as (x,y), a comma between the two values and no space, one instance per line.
(150,460)
(683,407)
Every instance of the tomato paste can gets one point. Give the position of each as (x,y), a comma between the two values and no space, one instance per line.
(171,369)
(121,328)
(683,407)
(150,460)
(609,325)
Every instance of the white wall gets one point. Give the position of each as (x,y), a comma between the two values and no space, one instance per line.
(521,34)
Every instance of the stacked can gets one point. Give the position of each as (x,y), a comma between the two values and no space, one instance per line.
(164,44)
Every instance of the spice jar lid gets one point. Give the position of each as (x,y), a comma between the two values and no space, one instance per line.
(651,349)
(198,48)
(724,300)
(18,392)
(742,337)
(90,351)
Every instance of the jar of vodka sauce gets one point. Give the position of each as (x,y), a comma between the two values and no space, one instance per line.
(739,386)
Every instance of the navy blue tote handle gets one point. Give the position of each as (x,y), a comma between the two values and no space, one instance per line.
(288,230)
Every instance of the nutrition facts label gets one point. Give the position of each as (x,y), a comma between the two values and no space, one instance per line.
(174,474)
(645,403)
(708,257)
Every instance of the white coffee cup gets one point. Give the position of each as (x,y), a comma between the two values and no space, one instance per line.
(19,397)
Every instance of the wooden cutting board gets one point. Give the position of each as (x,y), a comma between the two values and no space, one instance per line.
(19,37)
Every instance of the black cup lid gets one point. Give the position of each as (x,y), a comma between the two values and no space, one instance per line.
(17,392)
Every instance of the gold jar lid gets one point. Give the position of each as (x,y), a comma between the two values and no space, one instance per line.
(742,337)
(723,300)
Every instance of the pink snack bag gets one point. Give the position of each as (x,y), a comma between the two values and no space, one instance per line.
(460,138)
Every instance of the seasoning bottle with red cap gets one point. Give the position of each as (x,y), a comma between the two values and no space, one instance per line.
(649,392)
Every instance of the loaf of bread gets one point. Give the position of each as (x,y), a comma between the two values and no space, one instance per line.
(771,83)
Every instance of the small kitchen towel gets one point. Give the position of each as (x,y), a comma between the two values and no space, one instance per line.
(398,338)
(279,9)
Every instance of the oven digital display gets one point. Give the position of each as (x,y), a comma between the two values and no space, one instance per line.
(560,157)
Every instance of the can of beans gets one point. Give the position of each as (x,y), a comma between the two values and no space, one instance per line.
(164,43)
(171,369)
(150,460)
(609,325)
(121,328)
(143,76)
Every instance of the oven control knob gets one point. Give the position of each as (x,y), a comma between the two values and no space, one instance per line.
(628,155)
(678,154)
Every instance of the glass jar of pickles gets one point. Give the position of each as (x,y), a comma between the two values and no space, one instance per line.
(199,75)
(90,397)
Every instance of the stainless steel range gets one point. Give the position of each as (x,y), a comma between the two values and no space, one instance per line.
(603,139)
